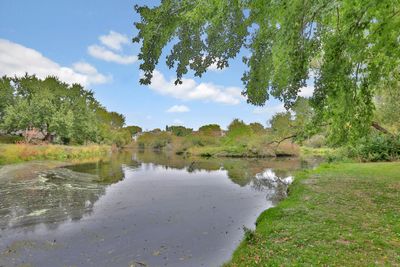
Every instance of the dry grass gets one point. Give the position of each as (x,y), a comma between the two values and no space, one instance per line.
(12,153)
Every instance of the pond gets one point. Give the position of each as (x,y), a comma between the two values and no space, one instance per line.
(135,209)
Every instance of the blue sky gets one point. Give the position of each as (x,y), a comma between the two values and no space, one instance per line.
(90,42)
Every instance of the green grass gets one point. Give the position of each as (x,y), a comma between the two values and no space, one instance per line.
(14,153)
(345,214)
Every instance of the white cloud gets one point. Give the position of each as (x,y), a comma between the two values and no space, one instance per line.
(178,109)
(16,59)
(191,90)
(114,40)
(105,54)
(269,110)
(111,49)
(306,91)
(93,75)
(214,67)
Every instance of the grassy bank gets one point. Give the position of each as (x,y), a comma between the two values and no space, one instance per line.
(245,150)
(345,214)
(13,153)
(197,144)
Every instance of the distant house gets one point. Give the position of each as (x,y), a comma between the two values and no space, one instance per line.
(35,135)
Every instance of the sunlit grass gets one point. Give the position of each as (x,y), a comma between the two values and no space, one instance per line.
(12,153)
(344,214)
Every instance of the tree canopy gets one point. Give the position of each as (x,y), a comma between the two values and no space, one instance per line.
(210,129)
(347,48)
(178,130)
(69,113)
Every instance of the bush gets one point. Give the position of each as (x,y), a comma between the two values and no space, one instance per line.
(121,137)
(210,129)
(179,130)
(238,128)
(316,141)
(156,140)
(377,147)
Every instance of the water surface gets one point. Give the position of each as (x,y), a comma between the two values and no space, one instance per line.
(135,209)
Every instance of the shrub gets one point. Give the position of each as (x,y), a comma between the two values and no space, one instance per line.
(316,141)
(376,147)
(237,128)
(210,129)
(156,140)
(257,128)
(179,130)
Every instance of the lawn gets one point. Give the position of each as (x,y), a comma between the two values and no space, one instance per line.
(344,214)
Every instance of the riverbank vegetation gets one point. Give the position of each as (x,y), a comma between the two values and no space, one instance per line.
(290,133)
(238,141)
(339,215)
(14,153)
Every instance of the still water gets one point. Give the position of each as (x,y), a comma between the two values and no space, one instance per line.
(135,209)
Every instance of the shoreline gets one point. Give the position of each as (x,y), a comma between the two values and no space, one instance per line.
(334,215)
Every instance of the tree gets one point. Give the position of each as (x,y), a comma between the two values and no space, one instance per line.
(349,47)
(282,126)
(257,127)
(179,130)
(6,94)
(210,129)
(237,128)
(388,108)
(295,124)
(70,113)
(133,129)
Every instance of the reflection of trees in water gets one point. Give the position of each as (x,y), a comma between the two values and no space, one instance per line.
(60,194)
(108,170)
(70,192)
(261,174)
(240,170)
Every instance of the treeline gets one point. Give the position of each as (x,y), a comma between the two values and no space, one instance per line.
(53,111)
(238,140)
(286,132)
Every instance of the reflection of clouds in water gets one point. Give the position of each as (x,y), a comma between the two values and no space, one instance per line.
(268,181)
(241,171)
(51,197)
(272,177)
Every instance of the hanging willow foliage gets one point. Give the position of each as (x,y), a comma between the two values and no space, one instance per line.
(347,48)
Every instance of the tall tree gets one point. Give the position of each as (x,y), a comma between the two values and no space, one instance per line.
(349,47)
(69,112)
(6,94)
